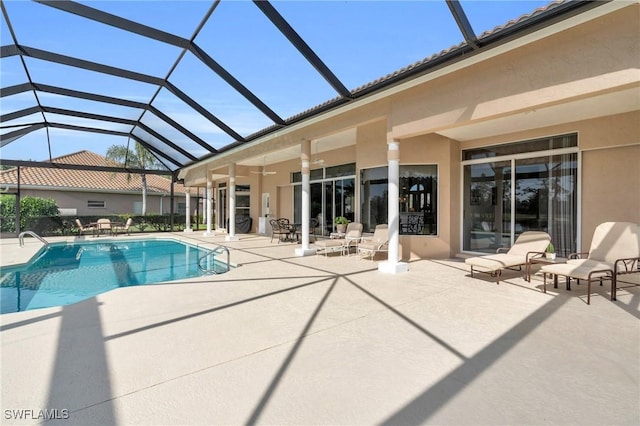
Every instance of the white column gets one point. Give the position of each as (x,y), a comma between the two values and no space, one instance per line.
(187,202)
(208,205)
(231,231)
(305,156)
(392,265)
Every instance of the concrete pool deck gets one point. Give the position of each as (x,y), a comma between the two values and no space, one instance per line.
(324,340)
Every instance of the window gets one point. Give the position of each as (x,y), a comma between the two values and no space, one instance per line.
(95,204)
(315,174)
(243,199)
(535,145)
(341,170)
(418,199)
(374,184)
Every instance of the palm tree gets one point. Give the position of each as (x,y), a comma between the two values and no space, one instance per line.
(139,158)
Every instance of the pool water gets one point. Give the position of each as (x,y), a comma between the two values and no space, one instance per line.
(70,272)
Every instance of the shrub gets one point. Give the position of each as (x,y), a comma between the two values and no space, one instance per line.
(39,215)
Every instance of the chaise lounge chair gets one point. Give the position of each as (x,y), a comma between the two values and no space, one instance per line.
(527,245)
(352,235)
(615,250)
(379,242)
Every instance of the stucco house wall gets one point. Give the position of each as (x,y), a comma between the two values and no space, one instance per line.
(581,78)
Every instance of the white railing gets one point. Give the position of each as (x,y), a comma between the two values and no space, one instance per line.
(217,250)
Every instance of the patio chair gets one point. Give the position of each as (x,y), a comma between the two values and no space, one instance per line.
(123,228)
(280,228)
(615,250)
(83,229)
(313,224)
(352,236)
(527,245)
(379,242)
(103,225)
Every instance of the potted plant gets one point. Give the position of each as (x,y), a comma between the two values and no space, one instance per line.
(551,252)
(341,223)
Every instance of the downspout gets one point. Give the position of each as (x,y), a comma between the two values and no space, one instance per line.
(171,210)
(17,207)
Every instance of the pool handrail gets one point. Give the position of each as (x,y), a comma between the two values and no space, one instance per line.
(33,234)
(214,251)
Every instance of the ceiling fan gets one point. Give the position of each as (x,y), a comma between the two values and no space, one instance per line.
(264,171)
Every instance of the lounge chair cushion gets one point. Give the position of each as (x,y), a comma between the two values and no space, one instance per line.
(587,263)
(373,246)
(579,271)
(494,262)
(526,243)
(615,240)
(330,243)
(530,241)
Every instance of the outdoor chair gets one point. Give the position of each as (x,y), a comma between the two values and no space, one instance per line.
(83,229)
(103,225)
(280,228)
(379,242)
(124,228)
(313,224)
(527,245)
(615,250)
(352,235)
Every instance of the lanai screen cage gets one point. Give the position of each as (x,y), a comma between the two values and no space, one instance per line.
(190,80)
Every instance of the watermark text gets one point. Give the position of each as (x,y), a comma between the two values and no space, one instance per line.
(36,414)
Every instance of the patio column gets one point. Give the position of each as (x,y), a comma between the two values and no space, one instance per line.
(392,266)
(187,201)
(208,194)
(305,156)
(231,229)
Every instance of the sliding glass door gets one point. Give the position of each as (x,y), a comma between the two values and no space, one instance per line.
(487,208)
(332,194)
(502,199)
(546,198)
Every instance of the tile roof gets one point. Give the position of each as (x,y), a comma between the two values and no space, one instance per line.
(86,179)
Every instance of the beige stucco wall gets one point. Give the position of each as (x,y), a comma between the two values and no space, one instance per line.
(610,188)
(438,150)
(114,203)
(597,57)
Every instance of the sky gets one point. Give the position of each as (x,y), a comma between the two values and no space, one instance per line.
(360,41)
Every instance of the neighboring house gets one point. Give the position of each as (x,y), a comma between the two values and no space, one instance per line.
(90,193)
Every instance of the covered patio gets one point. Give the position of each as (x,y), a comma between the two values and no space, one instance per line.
(284,339)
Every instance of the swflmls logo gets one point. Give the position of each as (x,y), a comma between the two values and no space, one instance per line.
(51,414)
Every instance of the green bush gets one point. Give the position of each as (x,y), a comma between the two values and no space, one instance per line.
(162,223)
(37,214)
(7,213)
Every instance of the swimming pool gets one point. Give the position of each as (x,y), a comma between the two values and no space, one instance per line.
(66,273)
